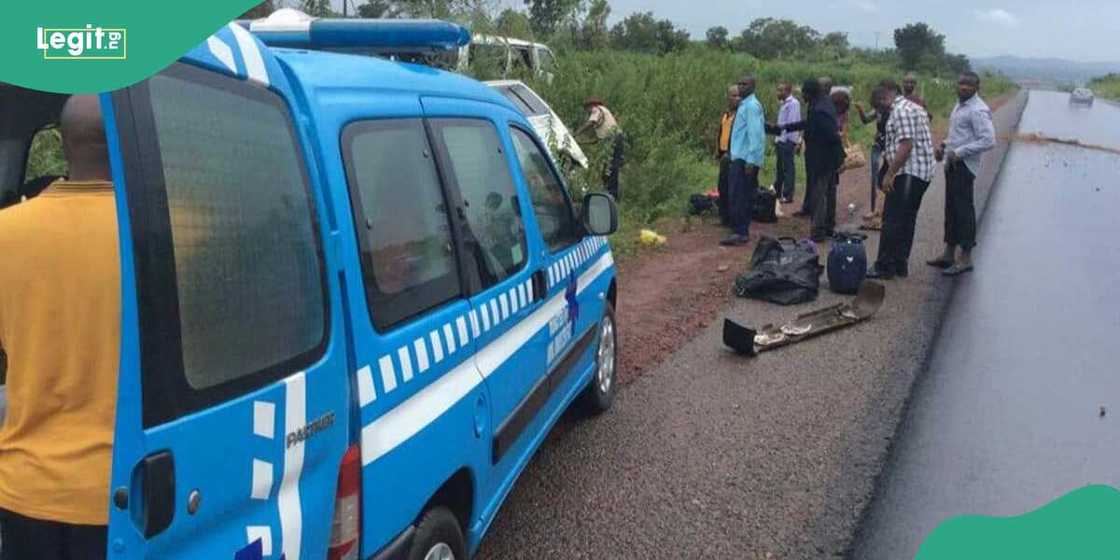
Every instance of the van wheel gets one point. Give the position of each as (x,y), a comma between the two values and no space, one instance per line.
(438,537)
(599,395)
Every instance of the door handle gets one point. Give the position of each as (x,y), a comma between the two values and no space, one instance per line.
(153,488)
(540,285)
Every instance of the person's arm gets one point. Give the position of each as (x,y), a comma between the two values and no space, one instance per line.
(905,146)
(592,121)
(864,117)
(985,137)
(795,126)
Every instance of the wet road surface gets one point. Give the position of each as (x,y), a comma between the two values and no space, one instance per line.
(1008,417)
(711,454)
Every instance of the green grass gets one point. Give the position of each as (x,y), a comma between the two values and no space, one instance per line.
(1106,86)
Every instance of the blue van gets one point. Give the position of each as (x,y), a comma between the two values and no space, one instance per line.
(356,297)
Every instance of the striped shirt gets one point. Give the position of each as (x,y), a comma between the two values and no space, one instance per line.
(908,121)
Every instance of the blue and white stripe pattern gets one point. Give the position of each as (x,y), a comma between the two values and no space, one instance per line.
(235,51)
(400,366)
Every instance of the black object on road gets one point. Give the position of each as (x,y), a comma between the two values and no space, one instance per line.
(750,342)
(783,271)
(847,263)
(765,206)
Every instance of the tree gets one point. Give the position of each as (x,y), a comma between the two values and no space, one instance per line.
(546,15)
(259,11)
(512,23)
(641,32)
(918,46)
(777,38)
(718,37)
(316,8)
(594,33)
(958,63)
(379,9)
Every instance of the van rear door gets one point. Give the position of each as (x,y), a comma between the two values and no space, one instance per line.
(233,386)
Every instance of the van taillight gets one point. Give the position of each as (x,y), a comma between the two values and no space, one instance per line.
(346,526)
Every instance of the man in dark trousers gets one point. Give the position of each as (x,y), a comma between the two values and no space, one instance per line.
(723,152)
(748,147)
(971,133)
(824,153)
(787,144)
(909,156)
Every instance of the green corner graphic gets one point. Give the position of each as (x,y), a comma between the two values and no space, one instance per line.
(1084,524)
(148,35)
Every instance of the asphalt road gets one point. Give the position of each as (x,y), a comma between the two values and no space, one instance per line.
(1008,417)
(714,454)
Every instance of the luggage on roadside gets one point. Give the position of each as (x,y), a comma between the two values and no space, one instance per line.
(765,206)
(847,263)
(703,203)
(783,271)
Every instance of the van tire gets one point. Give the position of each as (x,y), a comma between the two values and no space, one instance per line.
(598,397)
(438,529)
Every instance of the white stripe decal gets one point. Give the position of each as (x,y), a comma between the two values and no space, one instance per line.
(449,337)
(485,318)
(551,277)
(260,533)
(494,312)
(521,295)
(388,375)
(417,412)
(222,52)
(505,306)
(254,64)
(474,323)
(421,354)
(262,480)
(513,306)
(406,363)
(529,288)
(461,323)
(291,514)
(264,419)
(366,392)
(437,346)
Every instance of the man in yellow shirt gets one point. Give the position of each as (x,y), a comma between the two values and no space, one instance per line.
(726,121)
(60,327)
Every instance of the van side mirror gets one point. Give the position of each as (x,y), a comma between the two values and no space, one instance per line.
(600,214)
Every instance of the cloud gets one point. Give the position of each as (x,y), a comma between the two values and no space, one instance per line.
(866,5)
(998,16)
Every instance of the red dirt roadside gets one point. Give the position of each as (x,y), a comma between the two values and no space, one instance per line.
(668,295)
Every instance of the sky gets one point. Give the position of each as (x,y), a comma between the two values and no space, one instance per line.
(1082,30)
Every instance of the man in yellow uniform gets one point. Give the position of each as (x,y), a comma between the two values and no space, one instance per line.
(60,327)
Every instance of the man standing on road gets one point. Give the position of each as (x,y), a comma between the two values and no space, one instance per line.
(824,152)
(909,153)
(815,102)
(787,144)
(971,133)
(723,150)
(748,145)
(60,325)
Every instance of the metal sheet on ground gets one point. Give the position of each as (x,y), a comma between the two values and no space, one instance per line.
(1008,416)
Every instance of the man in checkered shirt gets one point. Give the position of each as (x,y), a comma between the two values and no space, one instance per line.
(909,153)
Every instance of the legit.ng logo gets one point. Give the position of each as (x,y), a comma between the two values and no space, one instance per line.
(88,43)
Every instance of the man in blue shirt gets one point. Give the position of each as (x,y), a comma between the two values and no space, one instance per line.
(748,145)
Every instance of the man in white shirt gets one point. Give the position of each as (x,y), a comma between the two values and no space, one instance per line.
(787,144)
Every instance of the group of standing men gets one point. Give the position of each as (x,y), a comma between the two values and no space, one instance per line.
(903,163)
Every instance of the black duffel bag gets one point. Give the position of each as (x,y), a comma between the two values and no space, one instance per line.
(765,206)
(783,271)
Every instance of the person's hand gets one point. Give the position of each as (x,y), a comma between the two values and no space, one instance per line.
(951,156)
(939,153)
(859,108)
(797,149)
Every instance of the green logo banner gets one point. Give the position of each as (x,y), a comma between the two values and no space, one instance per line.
(76,46)
(1083,524)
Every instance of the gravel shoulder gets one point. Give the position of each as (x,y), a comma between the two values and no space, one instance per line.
(710,453)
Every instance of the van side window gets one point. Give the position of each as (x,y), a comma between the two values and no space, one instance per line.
(493,212)
(401,218)
(550,203)
(229,261)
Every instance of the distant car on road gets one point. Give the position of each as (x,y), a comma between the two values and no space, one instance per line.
(545,121)
(1081,96)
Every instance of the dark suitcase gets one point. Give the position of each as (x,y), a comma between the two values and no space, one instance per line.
(765,206)
(847,263)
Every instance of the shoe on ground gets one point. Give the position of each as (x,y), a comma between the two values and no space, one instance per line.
(957,269)
(940,262)
(875,273)
(735,240)
(802,214)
